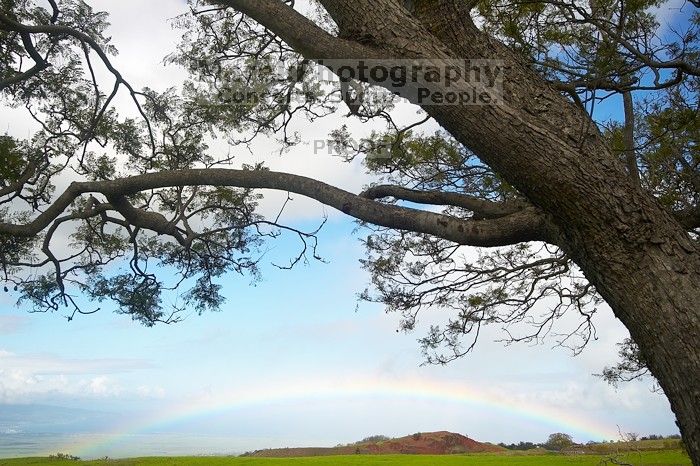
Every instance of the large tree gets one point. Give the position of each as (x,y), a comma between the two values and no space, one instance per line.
(567,210)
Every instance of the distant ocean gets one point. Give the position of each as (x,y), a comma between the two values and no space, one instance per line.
(14,443)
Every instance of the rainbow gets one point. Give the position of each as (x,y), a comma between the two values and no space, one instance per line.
(320,390)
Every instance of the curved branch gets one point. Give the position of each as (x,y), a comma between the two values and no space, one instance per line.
(515,228)
(39,63)
(677,64)
(25,31)
(17,186)
(482,209)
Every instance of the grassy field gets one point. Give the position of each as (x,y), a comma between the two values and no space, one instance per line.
(656,458)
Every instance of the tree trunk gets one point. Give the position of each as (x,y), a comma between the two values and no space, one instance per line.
(639,258)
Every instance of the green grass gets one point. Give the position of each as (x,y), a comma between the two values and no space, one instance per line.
(657,458)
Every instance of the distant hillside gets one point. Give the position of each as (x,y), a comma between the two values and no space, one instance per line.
(33,418)
(431,443)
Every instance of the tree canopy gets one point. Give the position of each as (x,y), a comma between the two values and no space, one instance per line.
(568,209)
(558,441)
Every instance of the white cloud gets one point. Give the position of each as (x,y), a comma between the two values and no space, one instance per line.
(31,377)
(101,386)
(12,324)
(147,391)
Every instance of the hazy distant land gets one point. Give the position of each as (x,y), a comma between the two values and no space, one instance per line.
(419,449)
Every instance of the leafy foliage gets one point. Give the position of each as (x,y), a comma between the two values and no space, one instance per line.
(212,230)
(558,441)
(631,366)
(244,83)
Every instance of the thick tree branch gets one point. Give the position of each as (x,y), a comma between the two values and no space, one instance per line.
(482,209)
(298,31)
(628,137)
(516,228)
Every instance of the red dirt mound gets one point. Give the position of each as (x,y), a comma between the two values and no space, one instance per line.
(431,443)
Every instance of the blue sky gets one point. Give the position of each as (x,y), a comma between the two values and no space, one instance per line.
(301,327)
(324,369)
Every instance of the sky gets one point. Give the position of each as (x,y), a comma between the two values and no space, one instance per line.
(294,359)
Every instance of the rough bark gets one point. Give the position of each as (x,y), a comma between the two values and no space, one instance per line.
(637,255)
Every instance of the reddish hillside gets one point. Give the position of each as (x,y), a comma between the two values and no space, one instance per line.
(432,443)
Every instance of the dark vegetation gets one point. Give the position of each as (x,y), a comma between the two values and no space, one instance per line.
(442,443)
(560,442)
